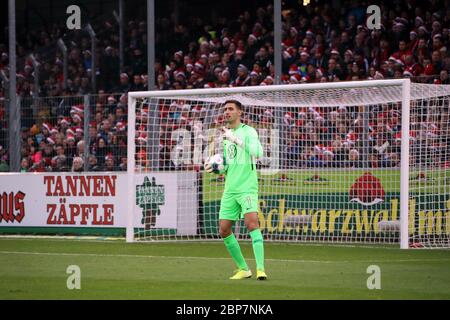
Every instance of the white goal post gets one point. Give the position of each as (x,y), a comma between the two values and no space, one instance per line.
(343,162)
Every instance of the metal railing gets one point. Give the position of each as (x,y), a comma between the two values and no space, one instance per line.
(73,133)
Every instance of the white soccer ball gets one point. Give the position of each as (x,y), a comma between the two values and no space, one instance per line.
(216,162)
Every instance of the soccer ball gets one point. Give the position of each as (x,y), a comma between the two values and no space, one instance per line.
(216,162)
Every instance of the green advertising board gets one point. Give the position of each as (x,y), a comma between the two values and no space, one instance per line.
(340,204)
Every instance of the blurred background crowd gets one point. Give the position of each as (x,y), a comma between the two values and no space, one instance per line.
(322,42)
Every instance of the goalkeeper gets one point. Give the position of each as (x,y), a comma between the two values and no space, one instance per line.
(240,197)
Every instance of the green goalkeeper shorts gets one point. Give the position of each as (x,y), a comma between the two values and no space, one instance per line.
(234,206)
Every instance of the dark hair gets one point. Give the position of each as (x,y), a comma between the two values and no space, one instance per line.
(236,103)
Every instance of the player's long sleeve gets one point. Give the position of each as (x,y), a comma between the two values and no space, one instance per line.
(252,145)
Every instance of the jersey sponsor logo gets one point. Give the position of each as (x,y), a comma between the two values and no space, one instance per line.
(232,151)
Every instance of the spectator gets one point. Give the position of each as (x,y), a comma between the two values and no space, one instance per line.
(243,78)
(109,69)
(92,166)
(3,166)
(162,82)
(101,151)
(110,163)
(443,78)
(60,164)
(353,159)
(123,163)
(77,165)
(137,83)
(333,72)
(24,165)
(124,84)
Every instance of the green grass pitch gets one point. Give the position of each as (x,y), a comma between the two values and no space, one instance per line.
(36,269)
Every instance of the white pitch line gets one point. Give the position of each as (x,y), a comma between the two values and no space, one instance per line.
(117,240)
(212,258)
(151,257)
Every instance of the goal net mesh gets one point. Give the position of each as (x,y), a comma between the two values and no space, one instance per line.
(330,170)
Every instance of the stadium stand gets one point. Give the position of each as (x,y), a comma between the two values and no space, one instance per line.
(318,46)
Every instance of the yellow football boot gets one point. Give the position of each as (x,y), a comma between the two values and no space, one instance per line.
(261,275)
(241,274)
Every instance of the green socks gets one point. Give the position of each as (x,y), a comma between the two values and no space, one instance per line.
(235,251)
(258,248)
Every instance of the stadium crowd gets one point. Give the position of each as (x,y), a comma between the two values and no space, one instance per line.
(319,45)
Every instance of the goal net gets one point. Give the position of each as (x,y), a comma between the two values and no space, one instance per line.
(345,162)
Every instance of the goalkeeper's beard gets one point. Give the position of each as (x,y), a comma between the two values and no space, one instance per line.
(230,123)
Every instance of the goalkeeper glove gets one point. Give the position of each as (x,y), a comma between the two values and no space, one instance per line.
(229,135)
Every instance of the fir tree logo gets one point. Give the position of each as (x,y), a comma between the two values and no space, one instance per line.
(149,196)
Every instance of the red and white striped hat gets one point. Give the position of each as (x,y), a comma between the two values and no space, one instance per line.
(288,115)
(196,109)
(65,121)
(47,126)
(121,126)
(335,51)
(142,137)
(328,151)
(77,108)
(295,78)
(77,117)
(199,64)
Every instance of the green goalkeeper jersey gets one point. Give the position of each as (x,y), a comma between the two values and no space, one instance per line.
(240,162)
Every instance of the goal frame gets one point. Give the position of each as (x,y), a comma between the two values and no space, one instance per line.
(405,84)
